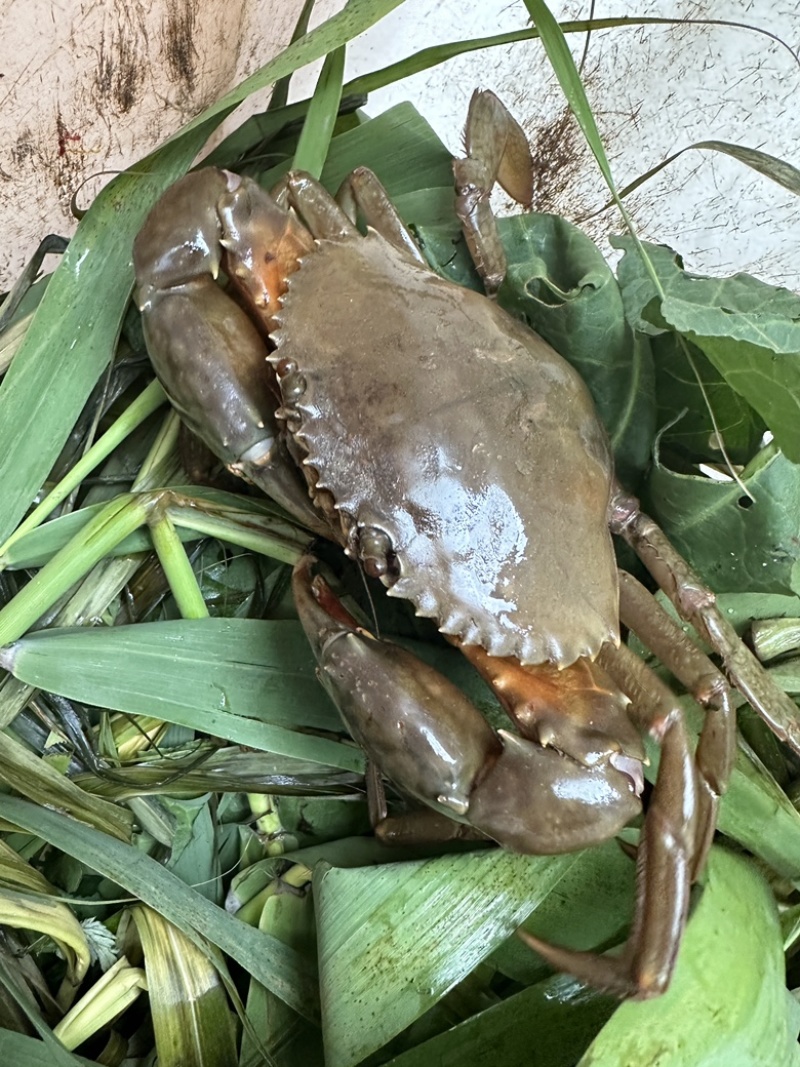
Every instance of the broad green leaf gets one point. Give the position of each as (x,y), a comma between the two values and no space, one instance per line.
(559,282)
(394,939)
(734,542)
(247,680)
(727,1003)
(547,1025)
(195,843)
(750,331)
(402,148)
(589,908)
(684,402)
(742,609)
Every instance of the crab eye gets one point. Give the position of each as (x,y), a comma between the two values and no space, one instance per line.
(293,385)
(376,552)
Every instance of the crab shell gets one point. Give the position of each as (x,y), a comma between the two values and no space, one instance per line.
(433,417)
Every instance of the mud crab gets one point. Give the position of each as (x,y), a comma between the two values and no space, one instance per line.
(459,458)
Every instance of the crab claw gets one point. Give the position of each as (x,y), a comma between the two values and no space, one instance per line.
(430,740)
(209,356)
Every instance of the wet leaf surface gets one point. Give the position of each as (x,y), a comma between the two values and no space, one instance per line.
(727,1003)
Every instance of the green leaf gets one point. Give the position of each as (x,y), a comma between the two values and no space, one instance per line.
(247,680)
(777,170)
(144,405)
(287,914)
(756,813)
(557,49)
(734,542)
(559,282)
(110,996)
(315,138)
(727,1003)
(684,402)
(750,331)
(19,1048)
(34,777)
(308,821)
(590,908)
(49,918)
(557,1018)
(191,1016)
(197,511)
(394,939)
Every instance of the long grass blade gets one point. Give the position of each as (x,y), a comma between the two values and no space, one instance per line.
(315,138)
(249,681)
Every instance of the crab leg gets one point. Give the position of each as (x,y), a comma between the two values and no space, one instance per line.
(671,833)
(716,746)
(497,151)
(665,857)
(696,604)
(361,191)
(334,218)
(421,826)
(318,209)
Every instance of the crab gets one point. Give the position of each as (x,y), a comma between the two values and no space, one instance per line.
(459,459)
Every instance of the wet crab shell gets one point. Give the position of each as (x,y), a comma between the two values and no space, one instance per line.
(430,414)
